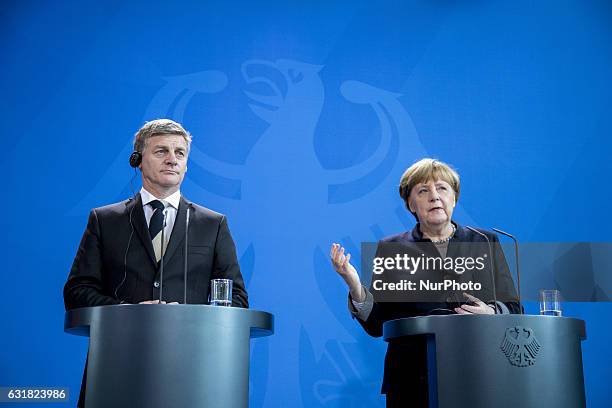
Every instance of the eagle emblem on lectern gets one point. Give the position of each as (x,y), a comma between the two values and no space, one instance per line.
(520,346)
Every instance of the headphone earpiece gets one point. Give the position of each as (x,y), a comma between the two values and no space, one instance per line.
(135,159)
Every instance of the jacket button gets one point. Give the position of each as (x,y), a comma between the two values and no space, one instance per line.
(156,284)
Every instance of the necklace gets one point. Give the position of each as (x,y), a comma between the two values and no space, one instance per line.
(443,240)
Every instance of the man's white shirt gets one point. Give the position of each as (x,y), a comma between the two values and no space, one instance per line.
(171,204)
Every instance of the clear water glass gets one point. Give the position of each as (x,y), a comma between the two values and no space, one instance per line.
(550,302)
(221,292)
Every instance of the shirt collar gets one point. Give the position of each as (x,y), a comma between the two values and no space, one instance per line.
(174,199)
(417,235)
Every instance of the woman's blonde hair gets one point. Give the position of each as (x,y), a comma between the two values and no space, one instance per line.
(426,170)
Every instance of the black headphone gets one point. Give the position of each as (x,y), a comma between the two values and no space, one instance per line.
(135,159)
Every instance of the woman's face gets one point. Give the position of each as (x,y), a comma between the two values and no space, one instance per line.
(433,202)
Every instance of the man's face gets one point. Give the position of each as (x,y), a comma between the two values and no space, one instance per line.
(164,162)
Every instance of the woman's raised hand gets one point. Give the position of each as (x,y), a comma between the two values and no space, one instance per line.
(343,267)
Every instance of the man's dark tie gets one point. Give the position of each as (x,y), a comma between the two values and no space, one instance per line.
(155,227)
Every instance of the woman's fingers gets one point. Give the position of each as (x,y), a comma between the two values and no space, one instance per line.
(334,253)
(340,260)
(459,310)
(473,299)
(334,250)
(472,309)
(480,308)
(337,256)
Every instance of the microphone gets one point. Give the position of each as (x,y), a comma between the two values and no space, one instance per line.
(185,260)
(127,249)
(492,262)
(516,258)
(161,269)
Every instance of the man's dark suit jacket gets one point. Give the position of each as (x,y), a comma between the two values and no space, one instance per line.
(115,262)
(406,361)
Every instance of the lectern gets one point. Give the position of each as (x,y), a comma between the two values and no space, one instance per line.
(500,361)
(168,355)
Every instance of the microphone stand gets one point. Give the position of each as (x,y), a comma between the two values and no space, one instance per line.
(492,262)
(516,259)
(161,268)
(185,260)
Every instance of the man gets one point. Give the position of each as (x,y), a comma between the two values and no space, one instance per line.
(119,258)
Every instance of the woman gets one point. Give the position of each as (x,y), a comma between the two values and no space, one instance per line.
(430,190)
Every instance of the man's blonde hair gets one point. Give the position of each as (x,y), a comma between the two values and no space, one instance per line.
(159,127)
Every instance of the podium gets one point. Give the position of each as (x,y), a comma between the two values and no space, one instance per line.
(482,361)
(168,355)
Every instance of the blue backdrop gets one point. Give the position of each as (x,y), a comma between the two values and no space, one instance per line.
(304,117)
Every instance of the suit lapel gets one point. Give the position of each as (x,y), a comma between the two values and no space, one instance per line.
(134,207)
(178,231)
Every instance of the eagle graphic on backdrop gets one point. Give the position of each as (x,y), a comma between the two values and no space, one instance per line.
(279,198)
(520,346)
